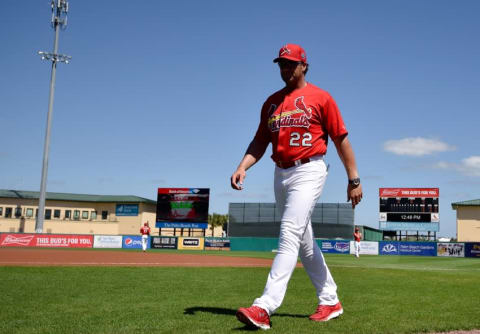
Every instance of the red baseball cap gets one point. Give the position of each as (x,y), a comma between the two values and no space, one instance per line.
(292,52)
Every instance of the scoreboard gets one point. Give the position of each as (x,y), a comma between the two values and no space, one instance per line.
(409,205)
(182,208)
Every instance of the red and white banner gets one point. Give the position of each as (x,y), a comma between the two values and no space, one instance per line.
(409,192)
(46,240)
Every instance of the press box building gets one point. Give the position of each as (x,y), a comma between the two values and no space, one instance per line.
(76,213)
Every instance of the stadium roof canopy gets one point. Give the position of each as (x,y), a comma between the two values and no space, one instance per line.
(474,202)
(20,194)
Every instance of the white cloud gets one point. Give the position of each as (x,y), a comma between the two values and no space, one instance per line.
(469,166)
(416,146)
(444,165)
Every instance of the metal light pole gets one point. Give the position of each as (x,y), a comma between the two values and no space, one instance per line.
(59,20)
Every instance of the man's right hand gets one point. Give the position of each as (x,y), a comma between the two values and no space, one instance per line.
(237,179)
(248,161)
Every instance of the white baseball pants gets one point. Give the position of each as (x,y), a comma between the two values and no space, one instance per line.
(297,189)
(357,248)
(144,242)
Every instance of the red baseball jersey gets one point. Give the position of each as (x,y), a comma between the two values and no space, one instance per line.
(145,230)
(357,236)
(298,123)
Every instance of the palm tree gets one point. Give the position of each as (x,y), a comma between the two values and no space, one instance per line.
(216,219)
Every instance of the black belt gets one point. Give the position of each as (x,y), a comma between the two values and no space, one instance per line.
(288,164)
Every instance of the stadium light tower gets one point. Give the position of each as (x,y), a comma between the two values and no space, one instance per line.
(59,20)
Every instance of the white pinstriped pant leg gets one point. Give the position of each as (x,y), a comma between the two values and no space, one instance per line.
(297,189)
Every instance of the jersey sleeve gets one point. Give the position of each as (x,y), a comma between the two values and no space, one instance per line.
(334,122)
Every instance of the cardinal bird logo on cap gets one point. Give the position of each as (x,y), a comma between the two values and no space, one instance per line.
(285,50)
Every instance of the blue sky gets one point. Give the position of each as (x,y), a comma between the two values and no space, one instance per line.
(168,94)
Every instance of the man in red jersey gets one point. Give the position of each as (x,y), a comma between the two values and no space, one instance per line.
(145,232)
(357,235)
(298,120)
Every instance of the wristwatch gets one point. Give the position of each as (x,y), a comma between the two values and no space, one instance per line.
(354,182)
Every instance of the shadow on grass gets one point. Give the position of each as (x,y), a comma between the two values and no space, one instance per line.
(232,312)
(214,310)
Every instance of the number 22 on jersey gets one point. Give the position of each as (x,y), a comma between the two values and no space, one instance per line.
(297,140)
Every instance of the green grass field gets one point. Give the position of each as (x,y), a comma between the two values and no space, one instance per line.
(380,294)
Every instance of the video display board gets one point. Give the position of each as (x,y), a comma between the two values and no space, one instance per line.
(182,205)
(416,205)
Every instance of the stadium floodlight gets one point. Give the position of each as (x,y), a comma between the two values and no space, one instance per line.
(59,58)
(59,21)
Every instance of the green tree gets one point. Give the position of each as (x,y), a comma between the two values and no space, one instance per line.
(216,219)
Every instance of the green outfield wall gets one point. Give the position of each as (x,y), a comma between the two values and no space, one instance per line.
(256,244)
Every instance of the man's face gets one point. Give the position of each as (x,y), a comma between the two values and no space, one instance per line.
(291,71)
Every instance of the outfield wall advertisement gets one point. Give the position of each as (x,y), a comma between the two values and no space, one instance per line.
(472,249)
(132,242)
(46,240)
(212,243)
(107,241)
(441,249)
(388,248)
(163,242)
(334,246)
(451,249)
(366,247)
(407,248)
(190,243)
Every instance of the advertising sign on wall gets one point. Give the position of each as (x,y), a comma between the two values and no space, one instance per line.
(107,241)
(191,243)
(450,249)
(331,246)
(388,248)
(418,248)
(407,248)
(182,205)
(472,249)
(126,210)
(46,240)
(217,243)
(132,241)
(366,247)
(164,242)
